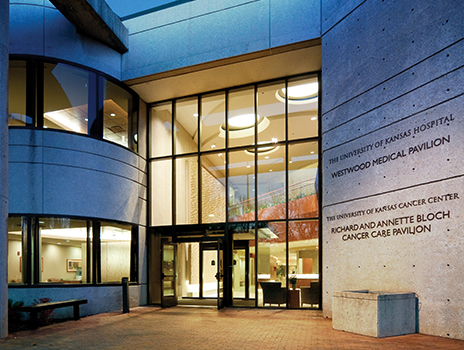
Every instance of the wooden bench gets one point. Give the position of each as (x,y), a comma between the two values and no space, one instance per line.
(35,309)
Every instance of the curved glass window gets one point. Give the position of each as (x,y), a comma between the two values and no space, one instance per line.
(65,251)
(61,96)
(66,98)
(17,115)
(118,109)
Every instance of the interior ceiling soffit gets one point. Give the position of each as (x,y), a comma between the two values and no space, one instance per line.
(259,66)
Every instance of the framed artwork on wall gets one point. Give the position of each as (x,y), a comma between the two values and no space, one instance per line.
(72,265)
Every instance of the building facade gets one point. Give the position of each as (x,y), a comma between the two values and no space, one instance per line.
(217,152)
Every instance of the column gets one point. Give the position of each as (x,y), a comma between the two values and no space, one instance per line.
(4,39)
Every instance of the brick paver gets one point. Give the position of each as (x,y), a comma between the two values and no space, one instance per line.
(203,328)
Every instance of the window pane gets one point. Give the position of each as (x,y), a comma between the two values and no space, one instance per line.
(187,190)
(241,186)
(303,164)
(243,264)
(271,182)
(241,118)
(63,250)
(272,110)
(302,108)
(186,126)
(115,251)
(17,95)
(303,242)
(66,98)
(272,264)
(161,130)
(16,269)
(213,117)
(161,192)
(213,188)
(117,115)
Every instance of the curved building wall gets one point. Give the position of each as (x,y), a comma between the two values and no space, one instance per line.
(38,28)
(392,144)
(59,173)
(55,173)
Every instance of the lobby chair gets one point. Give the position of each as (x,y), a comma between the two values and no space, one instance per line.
(311,295)
(273,293)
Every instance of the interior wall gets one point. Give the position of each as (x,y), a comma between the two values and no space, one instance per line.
(54,261)
(14,261)
(392,76)
(115,261)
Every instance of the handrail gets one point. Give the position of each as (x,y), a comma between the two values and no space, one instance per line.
(272,194)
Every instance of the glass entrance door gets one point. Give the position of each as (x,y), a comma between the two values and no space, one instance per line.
(212,271)
(169,275)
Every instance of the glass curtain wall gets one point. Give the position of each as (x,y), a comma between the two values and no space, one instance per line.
(246,156)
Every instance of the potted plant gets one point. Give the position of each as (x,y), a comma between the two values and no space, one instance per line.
(280,273)
(293,281)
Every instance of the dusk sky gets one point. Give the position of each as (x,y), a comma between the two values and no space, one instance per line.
(127,7)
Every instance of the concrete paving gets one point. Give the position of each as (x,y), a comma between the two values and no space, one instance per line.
(207,328)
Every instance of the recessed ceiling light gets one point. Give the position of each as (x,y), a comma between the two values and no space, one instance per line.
(86,119)
(213,145)
(243,125)
(313,118)
(248,166)
(270,169)
(243,121)
(312,152)
(274,139)
(195,115)
(267,157)
(112,114)
(299,94)
(291,161)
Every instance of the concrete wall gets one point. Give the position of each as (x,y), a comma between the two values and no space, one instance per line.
(38,28)
(392,75)
(208,30)
(63,174)
(58,173)
(100,299)
(3,168)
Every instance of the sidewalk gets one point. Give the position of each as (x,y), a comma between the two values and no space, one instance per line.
(207,328)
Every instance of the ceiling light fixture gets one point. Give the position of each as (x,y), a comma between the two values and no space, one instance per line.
(264,148)
(243,125)
(299,94)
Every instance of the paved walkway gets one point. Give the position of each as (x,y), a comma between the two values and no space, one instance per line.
(202,328)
